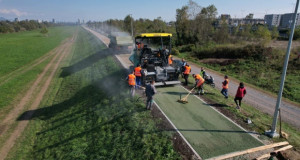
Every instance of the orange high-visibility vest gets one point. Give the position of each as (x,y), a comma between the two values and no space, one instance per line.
(131,80)
(226,86)
(170,60)
(187,70)
(200,82)
(137,71)
(197,76)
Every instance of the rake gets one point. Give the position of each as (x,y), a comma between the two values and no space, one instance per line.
(184,99)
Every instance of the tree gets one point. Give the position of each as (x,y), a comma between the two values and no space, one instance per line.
(263,33)
(127,23)
(44,31)
(275,33)
(222,33)
(182,25)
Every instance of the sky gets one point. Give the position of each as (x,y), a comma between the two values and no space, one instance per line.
(100,10)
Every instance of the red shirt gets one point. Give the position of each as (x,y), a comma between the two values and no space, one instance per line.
(240,92)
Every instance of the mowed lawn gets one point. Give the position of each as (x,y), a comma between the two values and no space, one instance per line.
(88,114)
(207,131)
(21,49)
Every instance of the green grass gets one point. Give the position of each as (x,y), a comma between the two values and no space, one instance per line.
(207,131)
(261,121)
(265,75)
(88,114)
(18,49)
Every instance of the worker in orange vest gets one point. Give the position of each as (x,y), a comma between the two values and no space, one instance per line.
(131,83)
(170,60)
(138,74)
(199,83)
(225,87)
(186,73)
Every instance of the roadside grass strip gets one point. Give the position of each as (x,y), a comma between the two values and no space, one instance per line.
(209,132)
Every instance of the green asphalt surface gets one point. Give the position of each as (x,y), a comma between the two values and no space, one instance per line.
(206,130)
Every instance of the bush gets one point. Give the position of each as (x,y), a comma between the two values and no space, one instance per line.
(255,52)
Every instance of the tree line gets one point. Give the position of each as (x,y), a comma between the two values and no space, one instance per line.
(26,25)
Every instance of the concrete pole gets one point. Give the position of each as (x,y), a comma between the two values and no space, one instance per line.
(273,133)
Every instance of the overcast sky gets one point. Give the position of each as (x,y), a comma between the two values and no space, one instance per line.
(95,10)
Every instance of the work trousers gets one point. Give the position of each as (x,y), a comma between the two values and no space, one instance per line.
(186,77)
(200,89)
(132,90)
(149,102)
(238,99)
(138,80)
(225,92)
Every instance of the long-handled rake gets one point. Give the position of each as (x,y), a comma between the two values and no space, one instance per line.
(184,99)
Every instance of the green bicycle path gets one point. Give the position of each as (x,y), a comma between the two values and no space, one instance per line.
(209,133)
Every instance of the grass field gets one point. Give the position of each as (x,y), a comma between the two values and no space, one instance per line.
(20,50)
(88,114)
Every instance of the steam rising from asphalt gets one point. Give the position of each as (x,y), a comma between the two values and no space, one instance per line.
(107,29)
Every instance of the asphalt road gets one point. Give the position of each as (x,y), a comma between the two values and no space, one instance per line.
(266,103)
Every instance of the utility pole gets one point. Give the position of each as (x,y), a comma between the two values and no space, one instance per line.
(273,133)
(131,26)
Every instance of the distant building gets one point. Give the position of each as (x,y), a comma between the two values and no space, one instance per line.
(244,21)
(16,19)
(239,21)
(273,20)
(53,20)
(287,19)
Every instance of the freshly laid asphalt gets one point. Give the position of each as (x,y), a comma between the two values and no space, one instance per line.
(209,132)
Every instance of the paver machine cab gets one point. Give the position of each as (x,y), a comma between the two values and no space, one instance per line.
(152,51)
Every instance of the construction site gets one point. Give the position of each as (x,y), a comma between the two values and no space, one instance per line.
(200,86)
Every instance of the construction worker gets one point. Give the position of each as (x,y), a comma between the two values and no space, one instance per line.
(199,83)
(203,72)
(183,67)
(170,60)
(240,93)
(225,84)
(186,73)
(131,83)
(138,74)
(150,92)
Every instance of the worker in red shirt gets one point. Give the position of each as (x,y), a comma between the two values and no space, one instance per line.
(240,93)
(138,74)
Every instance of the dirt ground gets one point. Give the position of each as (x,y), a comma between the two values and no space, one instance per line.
(283,44)
(34,95)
